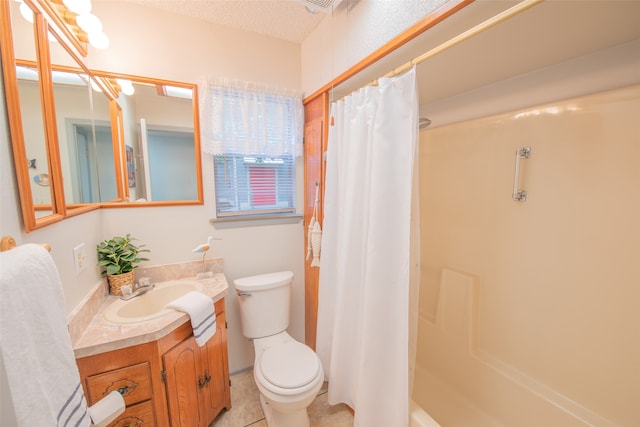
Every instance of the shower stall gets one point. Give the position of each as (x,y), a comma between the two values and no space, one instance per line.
(528,312)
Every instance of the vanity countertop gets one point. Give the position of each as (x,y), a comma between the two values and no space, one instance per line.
(101,336)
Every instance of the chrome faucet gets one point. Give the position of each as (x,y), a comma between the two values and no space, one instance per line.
(143,286)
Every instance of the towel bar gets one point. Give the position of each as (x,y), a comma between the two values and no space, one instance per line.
(9,242)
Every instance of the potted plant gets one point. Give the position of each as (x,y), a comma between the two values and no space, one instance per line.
(118,257)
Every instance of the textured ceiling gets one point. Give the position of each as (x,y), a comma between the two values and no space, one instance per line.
(283,19)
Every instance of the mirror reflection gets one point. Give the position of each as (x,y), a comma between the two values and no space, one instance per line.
(84,139)
(161,146)
(31,110)
(84,132)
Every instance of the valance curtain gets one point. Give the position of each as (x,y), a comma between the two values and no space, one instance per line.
(366,265)
(247,118)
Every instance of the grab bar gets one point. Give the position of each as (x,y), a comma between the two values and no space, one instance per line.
(521,153)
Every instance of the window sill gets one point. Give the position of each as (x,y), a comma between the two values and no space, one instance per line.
(257,220)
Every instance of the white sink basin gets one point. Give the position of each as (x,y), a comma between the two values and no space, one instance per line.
(150,305)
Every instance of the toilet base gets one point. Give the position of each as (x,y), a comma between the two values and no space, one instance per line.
(274,418)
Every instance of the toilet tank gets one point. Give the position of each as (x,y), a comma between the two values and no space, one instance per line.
(264,303)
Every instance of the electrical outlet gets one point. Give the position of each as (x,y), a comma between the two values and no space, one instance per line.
(79,258)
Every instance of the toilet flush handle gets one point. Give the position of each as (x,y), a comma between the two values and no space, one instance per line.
(243,293)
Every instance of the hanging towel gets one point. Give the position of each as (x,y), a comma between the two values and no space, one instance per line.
(36,347)
(202,312)
(314,234)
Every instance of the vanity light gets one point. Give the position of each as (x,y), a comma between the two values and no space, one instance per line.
(79,7)
(126,86)
(77,16)
(26,12)
(99,40)
(89,22)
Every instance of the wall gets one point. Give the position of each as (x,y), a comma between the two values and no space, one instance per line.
(528,309)
(354,30)
(163,45)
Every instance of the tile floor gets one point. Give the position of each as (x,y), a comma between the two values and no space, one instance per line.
(246,411)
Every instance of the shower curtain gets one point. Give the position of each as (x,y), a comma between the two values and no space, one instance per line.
(363,319)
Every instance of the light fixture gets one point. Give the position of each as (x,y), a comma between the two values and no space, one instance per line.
(89,22)
(99,40)
(126,86)
(79,7)
(82,25)
(26,12)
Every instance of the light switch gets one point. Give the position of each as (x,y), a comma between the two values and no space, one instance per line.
(79,258)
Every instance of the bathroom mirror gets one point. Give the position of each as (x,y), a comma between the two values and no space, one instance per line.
(77,148)
(161,140)
(85,139)
(26,94)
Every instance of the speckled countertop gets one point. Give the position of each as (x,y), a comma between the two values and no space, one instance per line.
(101,335)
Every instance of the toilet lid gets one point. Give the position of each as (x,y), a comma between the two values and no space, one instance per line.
(289,365)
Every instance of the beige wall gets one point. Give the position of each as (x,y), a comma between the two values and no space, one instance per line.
(354,30)
(529,309)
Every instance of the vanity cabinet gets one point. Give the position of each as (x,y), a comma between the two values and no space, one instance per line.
(197,379)
(167,382)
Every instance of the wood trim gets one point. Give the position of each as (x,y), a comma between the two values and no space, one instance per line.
(196,142)
(48,113)
(15,119)
(315,132)
(412,32)
(119,153)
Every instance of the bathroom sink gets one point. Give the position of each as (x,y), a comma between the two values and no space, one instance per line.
(150,305)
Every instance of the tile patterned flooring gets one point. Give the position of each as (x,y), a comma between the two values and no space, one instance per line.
(246,411)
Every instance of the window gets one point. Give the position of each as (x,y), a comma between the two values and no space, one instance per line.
(248,185)
(255,135)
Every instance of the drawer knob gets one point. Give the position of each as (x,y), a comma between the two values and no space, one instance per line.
(125,387)
(129,422)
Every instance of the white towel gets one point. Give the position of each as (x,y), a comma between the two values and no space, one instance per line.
(36,347)
(202,312)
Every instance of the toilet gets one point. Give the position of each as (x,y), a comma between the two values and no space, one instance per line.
(288,373)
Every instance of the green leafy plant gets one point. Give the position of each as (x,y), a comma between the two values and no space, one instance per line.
(119,255)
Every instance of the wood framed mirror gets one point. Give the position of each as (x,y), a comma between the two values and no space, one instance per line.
(161,130)
(79,142)
(29,110)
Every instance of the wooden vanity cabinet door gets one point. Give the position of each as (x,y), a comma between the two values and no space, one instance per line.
(216,393)
(182,368)
(197,378)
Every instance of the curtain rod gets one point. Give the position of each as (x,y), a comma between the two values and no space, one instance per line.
(489,23)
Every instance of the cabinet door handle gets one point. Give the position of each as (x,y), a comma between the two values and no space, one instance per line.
(201,382)
(207,377)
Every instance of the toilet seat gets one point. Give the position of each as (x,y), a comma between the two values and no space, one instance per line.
(289,365)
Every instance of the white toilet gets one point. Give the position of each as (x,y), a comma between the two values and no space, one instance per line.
(287,372)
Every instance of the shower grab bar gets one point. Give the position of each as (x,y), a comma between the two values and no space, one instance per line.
(521,153)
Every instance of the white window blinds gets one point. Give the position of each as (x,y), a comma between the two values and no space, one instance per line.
(254,134)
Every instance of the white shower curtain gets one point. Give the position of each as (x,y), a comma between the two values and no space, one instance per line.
(363,331)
